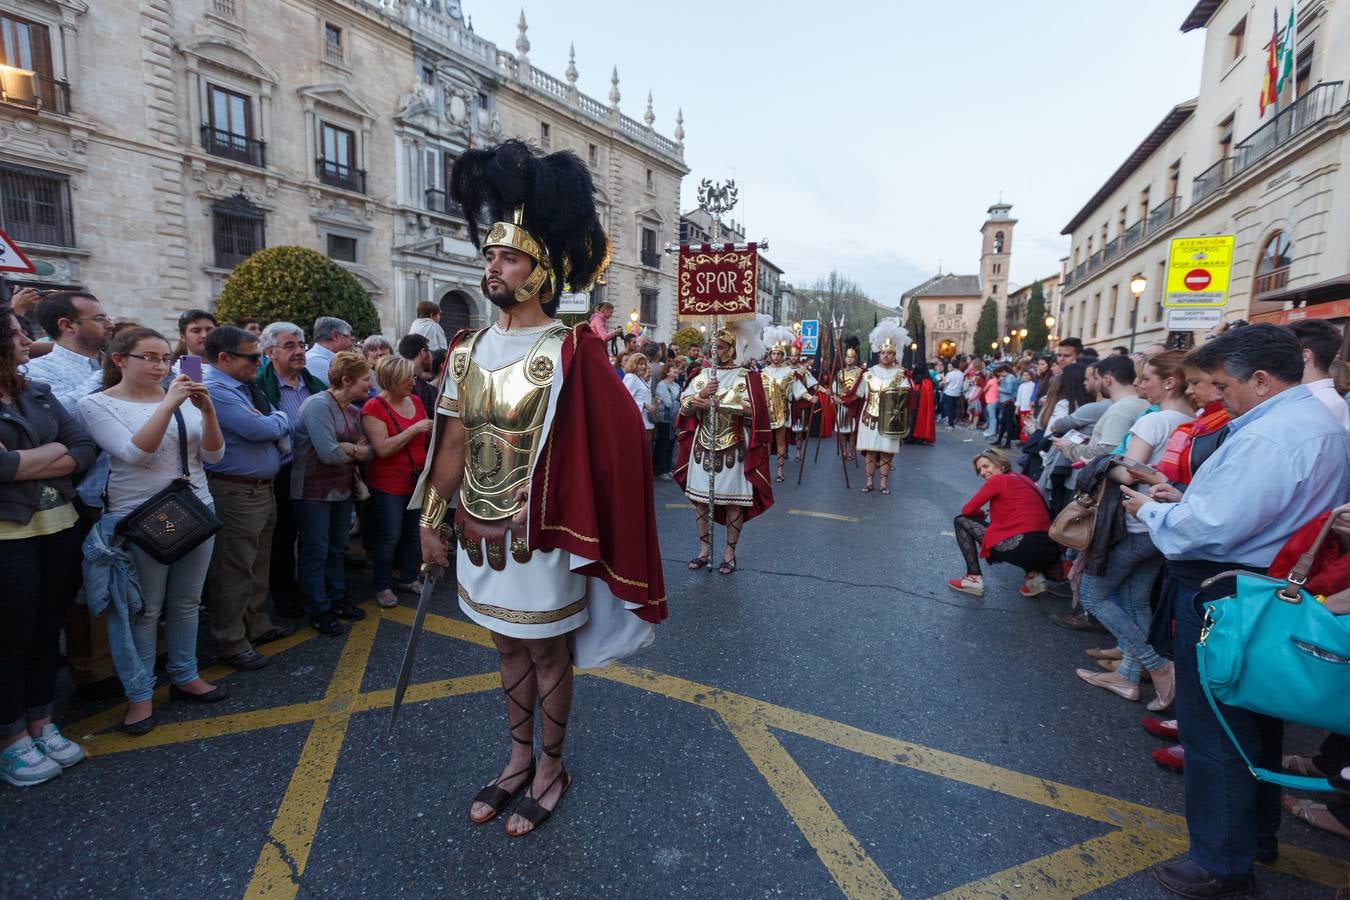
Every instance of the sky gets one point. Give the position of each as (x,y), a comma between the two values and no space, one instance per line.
(872,137)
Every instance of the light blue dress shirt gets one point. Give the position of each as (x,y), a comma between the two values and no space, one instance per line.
(251,438)
(1284,463)
(317,360)
(71,376)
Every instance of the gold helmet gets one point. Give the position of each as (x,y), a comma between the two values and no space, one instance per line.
(510,234)
(778,338)
(889,334)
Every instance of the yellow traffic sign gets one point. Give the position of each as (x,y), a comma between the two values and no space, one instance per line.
(1198,269)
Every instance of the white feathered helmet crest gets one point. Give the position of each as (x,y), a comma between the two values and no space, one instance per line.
(889,334)
(778,337)
(747,336)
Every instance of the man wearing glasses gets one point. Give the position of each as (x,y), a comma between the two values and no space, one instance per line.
(286,384)
(331,336)
(256,436)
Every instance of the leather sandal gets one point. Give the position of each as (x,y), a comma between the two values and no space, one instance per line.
(536,814)
(499,798)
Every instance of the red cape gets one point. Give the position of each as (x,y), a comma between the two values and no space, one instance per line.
(756,452)
(1331,567)
(591,494)
(924,409)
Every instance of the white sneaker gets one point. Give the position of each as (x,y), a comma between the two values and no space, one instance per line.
(23,764)
(58,747)
(1034,586)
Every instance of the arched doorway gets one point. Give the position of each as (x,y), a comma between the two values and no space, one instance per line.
(456,311)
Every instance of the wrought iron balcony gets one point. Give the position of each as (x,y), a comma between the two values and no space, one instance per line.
(436,201)
(1132,235)
(651,259)
(1111,250)
(34,90)
(1316,104)
(341,176)
(234,146)
(1210,180)
(1161,214)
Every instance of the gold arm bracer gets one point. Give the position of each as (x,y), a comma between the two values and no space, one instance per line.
(434,509)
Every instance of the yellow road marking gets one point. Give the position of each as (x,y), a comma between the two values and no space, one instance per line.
(281,864)
(1142,837)
(1074,871)
(847,862)
(679,506)
(822,515)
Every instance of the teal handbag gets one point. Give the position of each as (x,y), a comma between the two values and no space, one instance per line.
(1274,649)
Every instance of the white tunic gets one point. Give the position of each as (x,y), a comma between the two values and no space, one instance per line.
(868,437)
(729,484)
(540,598)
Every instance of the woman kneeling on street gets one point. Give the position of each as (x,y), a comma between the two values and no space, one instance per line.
(1016,531)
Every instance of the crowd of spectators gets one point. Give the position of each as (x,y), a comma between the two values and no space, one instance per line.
(1163,469)
(283,438)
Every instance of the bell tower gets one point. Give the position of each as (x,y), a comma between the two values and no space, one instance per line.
(995,258)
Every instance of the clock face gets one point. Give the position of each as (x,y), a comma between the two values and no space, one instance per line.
(452,9)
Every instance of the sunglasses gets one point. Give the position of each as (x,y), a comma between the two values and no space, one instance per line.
(251,357)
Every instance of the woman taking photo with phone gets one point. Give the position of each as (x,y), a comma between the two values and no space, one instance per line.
(1119,597)
(136,421)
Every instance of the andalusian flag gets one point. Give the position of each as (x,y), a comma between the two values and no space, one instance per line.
(1269,97)
(1287,53)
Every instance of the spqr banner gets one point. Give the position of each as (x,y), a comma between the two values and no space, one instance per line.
(717,280)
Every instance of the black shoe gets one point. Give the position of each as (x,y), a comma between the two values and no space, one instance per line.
(1186,878)
(246,661)
(275,633)
(215,695)
(326,623)
(349,611)
(138,728)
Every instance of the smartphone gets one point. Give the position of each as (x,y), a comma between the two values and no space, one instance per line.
(191,366)
(1074,436)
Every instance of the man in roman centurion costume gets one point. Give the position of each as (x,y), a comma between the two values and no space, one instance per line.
(884,390)
(724,457)
(546,460)
(802,399)
(781,387)
(848,405)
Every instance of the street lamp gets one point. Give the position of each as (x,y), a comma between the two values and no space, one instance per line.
(1138,284)
(1049,321)
(1021,332)
(993,345)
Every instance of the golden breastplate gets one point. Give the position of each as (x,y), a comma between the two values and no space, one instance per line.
(722,431)
(887,410)
(848,378)
(503,412)
(777,391)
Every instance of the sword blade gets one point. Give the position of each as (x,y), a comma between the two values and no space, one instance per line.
(430,575)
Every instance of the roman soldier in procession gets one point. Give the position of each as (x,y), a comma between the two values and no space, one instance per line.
(848,405)
(546,459)
(804,397)
(781,387)
(723,429)
(885,418)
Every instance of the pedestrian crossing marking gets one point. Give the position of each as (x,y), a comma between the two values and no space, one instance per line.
(1142,837)
(822,515)
(679,506)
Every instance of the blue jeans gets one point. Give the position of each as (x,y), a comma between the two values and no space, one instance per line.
(396,539)
(323,527)
(1232,818)
(176,591)
(1119,600)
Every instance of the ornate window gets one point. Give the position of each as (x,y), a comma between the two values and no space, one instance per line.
(1272,265)
(237,230)
(35,206)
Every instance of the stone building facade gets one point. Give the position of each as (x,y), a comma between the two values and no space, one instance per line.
(1215,164)
(147,147)
(950,304)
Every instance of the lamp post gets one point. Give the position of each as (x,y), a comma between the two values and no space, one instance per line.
(1138,284)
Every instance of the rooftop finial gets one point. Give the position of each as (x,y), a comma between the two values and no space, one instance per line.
(571,72)
(522,42)
(614,95)
(649,116)
(679,126)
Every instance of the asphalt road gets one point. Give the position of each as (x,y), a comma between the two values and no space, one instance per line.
(830,720)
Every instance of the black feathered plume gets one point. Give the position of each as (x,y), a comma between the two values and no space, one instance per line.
(852,342)
(556,195)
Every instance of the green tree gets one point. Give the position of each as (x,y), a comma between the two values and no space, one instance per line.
(292,284)
(914,321)
(986,329)
(685,338)
(1037,333)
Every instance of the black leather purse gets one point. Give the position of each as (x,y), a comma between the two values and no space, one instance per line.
(174,522)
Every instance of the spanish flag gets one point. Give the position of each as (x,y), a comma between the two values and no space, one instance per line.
(1272,76)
